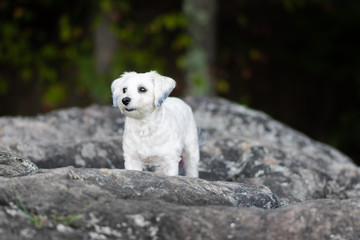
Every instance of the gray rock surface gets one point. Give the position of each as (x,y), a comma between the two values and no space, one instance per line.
(116,204)
(11,165)
(248,146)
(90,137)
(113,183)
(318,187)
(76,197)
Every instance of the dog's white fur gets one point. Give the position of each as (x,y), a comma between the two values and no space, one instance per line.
(158,130)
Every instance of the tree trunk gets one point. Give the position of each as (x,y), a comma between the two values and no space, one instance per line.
(201,16)
(104,44)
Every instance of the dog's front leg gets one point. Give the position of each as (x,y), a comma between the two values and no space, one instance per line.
(133,164)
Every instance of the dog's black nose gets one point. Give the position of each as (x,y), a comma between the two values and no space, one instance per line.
(126,100)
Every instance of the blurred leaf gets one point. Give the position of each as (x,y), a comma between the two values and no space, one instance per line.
(64,28)
(199,81)
(222,86)
(170,21)
(105,5)
(70,52)
(9,30)
(26,74)
(122,6)
(54,95)
(183,41)
(181,62)
(49,51)
(47,74)
(3,86)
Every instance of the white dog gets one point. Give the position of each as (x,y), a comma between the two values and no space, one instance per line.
(158,130)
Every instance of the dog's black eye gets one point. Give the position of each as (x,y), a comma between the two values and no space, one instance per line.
(142,89)
(124,90)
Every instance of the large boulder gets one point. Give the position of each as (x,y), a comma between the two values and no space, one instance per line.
(318,187)
(240,145)
(69,203)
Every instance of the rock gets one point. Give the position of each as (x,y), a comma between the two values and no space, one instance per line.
(91,201)
(242,145)
(131,185)
(90,137)
(318,187)
(248,146)
(108,204)
(111,204)
(11,165)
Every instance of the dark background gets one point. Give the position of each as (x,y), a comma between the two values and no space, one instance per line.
(296,60)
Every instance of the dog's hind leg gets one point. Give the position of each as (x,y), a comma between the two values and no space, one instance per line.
(191,155)
(191,161)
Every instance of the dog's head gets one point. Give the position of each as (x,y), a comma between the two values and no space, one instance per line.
(139,94)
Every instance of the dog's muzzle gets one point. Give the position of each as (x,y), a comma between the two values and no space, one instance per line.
(126,101)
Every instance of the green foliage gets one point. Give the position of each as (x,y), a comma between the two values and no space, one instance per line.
(50,48)
(24,212)
(67,220)
(54,94)
(168,21)
(130,53)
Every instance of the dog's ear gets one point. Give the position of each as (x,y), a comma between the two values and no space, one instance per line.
(114,91)
(116,86)
(162,87)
